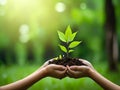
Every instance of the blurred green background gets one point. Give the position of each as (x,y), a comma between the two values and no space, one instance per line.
(28,37)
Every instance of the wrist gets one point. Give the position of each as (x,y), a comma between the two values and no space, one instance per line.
(91,72)
(45,72)
(42,72)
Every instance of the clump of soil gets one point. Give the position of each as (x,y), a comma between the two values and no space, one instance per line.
(67,61)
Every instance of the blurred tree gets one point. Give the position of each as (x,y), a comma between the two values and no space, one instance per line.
(111,37)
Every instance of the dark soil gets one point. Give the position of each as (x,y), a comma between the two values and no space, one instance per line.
(67,61)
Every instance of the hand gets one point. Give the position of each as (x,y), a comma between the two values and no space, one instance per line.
(52,70)
(56,71)
(46,63)
(80,71)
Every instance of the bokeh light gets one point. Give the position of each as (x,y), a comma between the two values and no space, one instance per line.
(83,6)
(60,7)
(3,2)
(24,33)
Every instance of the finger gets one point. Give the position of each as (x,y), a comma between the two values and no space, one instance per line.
(86,62)
(75,68)
(79,68)
(60,74)
(65,70)
(59,67)
(46,63)
(51,59)
(69,74)
(75,74)
(69,70)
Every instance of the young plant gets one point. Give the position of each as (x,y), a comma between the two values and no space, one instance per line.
(68,38)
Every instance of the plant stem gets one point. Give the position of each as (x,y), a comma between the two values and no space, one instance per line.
(67,49)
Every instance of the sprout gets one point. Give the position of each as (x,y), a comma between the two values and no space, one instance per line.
(68,38)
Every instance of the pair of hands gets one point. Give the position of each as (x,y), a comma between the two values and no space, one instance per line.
(59,71)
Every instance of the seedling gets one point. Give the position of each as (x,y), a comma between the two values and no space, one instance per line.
(68,44)
(68,39)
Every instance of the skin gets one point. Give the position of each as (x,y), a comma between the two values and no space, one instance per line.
(56,71)
(89,71)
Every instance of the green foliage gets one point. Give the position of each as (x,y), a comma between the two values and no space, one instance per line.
(61,36)
(68,38)
(59,57)
(74,44)
(68,34)
(63,48)
(71,50)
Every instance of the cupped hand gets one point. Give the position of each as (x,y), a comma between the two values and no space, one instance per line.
(56,71)
(79,71)
(53,70)
(59,71)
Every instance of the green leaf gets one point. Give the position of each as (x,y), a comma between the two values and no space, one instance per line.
(63,48)
(56,58)
(68,33)
(71,51)
(61,36)
(74,44)
(73,36)
(60,56)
